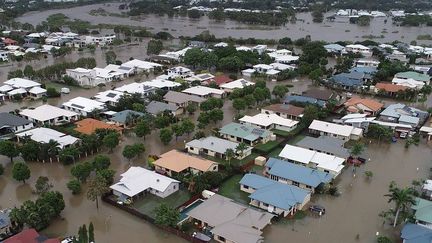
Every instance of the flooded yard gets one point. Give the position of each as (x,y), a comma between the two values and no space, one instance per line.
(177,26)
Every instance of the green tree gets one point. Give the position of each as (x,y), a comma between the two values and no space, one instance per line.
(280,90)
(142,129)
(191,108)
(216,115)
(131,151)
(20,171)
(28,71)
(229,154)
(111,140)
(188,126)
(107,174)
(241,147)
(97,187)
(42,185)
(74,186)
(9,149)
(402,198)
(154,47)
(82,171)
(193,57)
(379,132)
(239,104)
(383,239)
(166,215)
(91,233)
(101,162)
(357,149)
(364,20)
(110,57)
(165,135)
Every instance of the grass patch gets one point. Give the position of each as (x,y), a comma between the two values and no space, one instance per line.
(276,152)
(231,189)
(257,169)
(267,147)
(281,133)
(296,139)
(148,203)
(234,162)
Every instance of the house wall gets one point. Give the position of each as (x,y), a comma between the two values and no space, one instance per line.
(82,112)
(271,208)
(173,187)
(23,127)
(312,131)
(288,181)
(193,150)
(246,189)
(284,128)
(221,239)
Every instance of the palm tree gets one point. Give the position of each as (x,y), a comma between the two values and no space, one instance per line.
(401,197)
(241,148)
(52,148)
(229,154)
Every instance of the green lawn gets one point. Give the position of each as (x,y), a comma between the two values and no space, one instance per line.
(275,152)
(267,147)
(281,133)
(296,139)
(148,203)
(234,162)
(257,169)
(231,189)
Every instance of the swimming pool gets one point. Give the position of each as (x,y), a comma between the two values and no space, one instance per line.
(188,208)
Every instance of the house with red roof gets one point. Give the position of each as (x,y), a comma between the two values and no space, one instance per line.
(30,236)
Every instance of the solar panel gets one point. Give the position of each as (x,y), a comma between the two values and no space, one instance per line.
(244,128)
(111,95)
(78,106)
(257,131)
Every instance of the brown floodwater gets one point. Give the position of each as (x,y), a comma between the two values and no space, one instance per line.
(177,26)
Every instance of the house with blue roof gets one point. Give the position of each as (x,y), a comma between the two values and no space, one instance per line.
(414,233)
(297,175)
(296,99)
(273,196)
(349,81)
(403,114)
(126,118)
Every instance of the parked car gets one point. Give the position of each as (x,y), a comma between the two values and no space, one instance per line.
(317,209)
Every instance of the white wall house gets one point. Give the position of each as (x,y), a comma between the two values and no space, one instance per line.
(4,56)
(205,92)
(357,48)
(179,72)
(44,135)
(141,66)
(109,97)
(343,132)
(10,123)
(83,106)
(49,115)
(137,181)
(99,40)
(236,84)
(366,63)
(82,75)
(22,86)
(269,121)
(137,88)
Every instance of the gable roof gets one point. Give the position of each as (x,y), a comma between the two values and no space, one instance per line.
(369,103)
(203,91)
(44,135)
(348,79)
(265,120)
(247,132)
(233,221)
(325,144)
(414,233)
(303,99)
(122,116)
(84,104)
(390,87)
(413,75)
(47,112)
(211,143)
(333,128)
(137,179)
(177,161)
(90,125)
(11,120)
(285,109)
(179,98)
(423,210)
(156,107)
(298,173)
(239,83)
(274,193)
(320,94)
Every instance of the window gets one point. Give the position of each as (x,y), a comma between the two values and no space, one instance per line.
(174,187)
(309,187)
(265,204)
(245,187)
(221,238)
(295,183)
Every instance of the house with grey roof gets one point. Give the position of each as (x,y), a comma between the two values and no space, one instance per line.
(157,107)
(273,196)
(126,118)
(297,175)
(216,147)
(182,99)
(229,221)
(10,123)
(325,144)
(245,133)
(334,48)
(403,114)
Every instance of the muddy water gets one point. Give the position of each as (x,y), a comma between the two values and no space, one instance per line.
(327,31)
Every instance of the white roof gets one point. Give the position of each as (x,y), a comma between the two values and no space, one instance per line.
(287,58)
(305,156)
(22,83)
(84,104)
(221,44)
(358,46)
(79,70)
(137,179)
(239,83)
(427,185)
(135,88)
(37,90)
(353,116)
(161,83)
(109,96)
(263,66)
(391,124)
(262,119)
(203,91)
(243,48)
(106,73)
(342,130)
(17,91)
(44,135)
(136,63)
(119,69)
(6,88)
(281,66)
(46,112)
(411,83)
